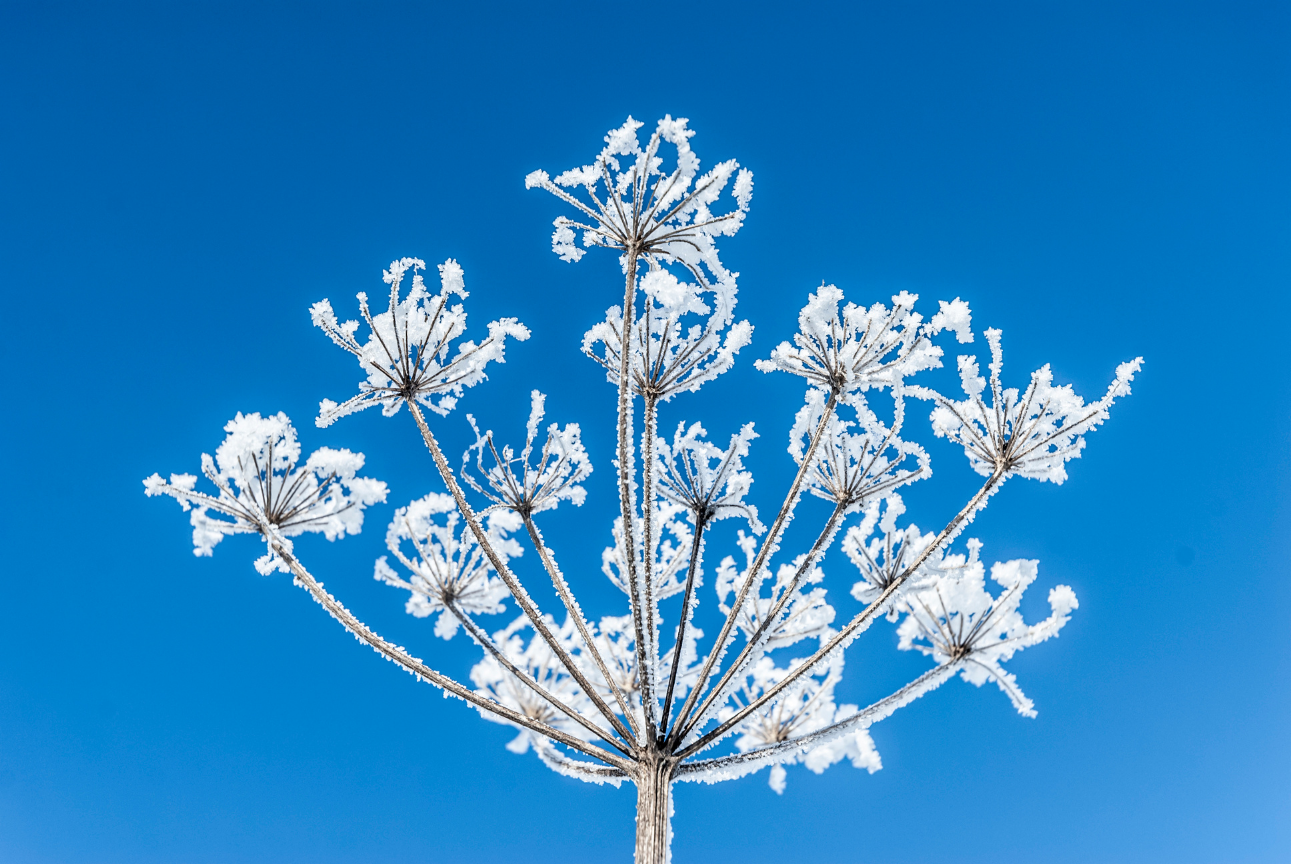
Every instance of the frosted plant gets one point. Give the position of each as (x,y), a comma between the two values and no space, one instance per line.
(667,687)
(807,706)
(560,467)
(1031,435)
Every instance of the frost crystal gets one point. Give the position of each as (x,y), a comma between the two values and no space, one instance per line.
(263,491)
(407,355)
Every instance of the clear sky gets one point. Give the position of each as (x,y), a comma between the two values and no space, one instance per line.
(178,185)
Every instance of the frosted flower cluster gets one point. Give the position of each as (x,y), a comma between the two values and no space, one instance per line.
(807,706)
(858,348)
(708,482)
(513,482)
(261,489)
(1031,434)
(805,615)
(956,620)
(672,542)
(666,356)
(535,658)
(448,570)
(856,460)
(644,210)
(407,354)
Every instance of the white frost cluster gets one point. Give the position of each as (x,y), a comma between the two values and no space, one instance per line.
(856,460)
(407,355)
(673,541)
(1029,435)
(956,620)
(708,482)
(666,357)
(884,558)
(448,569)
(806,615)
(803,708)
(262,490)
(644,210)
(858,348)
(513,482)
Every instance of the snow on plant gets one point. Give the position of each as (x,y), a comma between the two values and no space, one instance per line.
(807,706)
(656,691)
(260,487)
(1034,434)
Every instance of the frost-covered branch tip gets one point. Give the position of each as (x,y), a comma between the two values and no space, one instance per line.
(708,482)
(859,348)
(447,569)
(667,357)
(957,620)
(262,489)
(1028,435)
(512,481)
(642,210)
(857,460)
(408,352)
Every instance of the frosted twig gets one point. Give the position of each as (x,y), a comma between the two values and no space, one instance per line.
(399,656)
(776,530)
(859,623)
(501,568)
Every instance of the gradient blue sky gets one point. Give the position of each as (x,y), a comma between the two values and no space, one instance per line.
(177,185)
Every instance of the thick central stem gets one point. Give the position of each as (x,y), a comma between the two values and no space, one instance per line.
(653,812)
(625,465)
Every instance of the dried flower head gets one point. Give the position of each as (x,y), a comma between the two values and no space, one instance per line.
(263,491)
(513,482)
(1029,435)
(407,355)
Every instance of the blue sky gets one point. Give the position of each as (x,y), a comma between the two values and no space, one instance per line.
(178,185)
